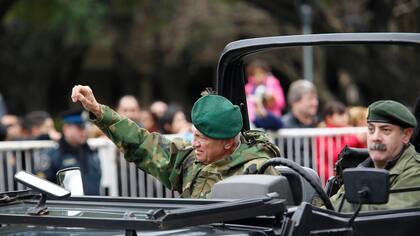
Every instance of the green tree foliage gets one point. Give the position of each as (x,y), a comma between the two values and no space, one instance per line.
(43,44)
(78,22)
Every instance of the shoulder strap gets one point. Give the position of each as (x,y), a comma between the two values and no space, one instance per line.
(254,137)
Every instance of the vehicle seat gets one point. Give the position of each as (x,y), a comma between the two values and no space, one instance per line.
(252,186)
(302,191)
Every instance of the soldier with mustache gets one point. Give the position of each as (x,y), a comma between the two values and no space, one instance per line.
(390,127)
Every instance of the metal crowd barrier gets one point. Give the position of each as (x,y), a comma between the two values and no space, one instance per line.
(120,178)
(300,145)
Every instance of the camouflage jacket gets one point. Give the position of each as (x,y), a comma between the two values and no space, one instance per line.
(174,162)
(404,174)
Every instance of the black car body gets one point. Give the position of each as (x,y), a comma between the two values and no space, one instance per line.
(266,215)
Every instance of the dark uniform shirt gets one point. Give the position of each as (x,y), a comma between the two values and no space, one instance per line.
(65,156)
(291,122)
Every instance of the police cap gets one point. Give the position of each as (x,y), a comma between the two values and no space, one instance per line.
(216,117)
(74,117)
(392,112)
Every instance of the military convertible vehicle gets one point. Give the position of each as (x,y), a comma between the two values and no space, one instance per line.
(255,205)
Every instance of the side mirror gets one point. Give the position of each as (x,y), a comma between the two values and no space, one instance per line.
(366,185)
(71,179)
(41,185)
(46,188)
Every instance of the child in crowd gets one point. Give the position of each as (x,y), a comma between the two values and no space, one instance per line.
(328,147)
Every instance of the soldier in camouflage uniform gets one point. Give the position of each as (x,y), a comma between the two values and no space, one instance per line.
(218,150)
(390,127)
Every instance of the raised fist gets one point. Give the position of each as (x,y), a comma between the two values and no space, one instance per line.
(85,96)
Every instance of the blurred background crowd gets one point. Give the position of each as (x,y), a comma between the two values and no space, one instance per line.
(39,125)
(266,99)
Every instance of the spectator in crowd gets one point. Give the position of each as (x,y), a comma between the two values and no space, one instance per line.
(217,152)
(5,162)
(158,108)
(265,119)
(3,109)
(390,127)
(328,147)
(3,132)
(357,116)
(303,100)
(14,127)
(73,151)
(149,121)
(174,122)
(265,96)
(334,115)
(40,126)
(129,106)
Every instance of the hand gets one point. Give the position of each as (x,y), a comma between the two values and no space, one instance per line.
(84,95)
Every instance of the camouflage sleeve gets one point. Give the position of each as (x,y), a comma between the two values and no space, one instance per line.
(151,152)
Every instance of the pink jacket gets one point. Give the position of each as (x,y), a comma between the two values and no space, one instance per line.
(273,87)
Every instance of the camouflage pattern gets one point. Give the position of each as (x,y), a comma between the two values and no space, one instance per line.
(404,174)
(174,162)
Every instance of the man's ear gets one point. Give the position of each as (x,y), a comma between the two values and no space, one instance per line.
(407,133)
(228,144)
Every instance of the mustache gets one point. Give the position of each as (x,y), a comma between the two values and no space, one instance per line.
(377,147)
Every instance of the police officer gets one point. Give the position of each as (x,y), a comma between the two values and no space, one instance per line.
(217,151)
(73,151)
(390,127)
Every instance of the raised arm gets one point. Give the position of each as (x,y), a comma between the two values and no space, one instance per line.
(152,153)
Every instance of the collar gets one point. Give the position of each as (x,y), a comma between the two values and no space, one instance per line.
(236,148)
(301,124)
(394,161)
(232,161)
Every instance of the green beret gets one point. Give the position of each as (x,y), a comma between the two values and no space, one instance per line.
(216,117)
(392,112)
